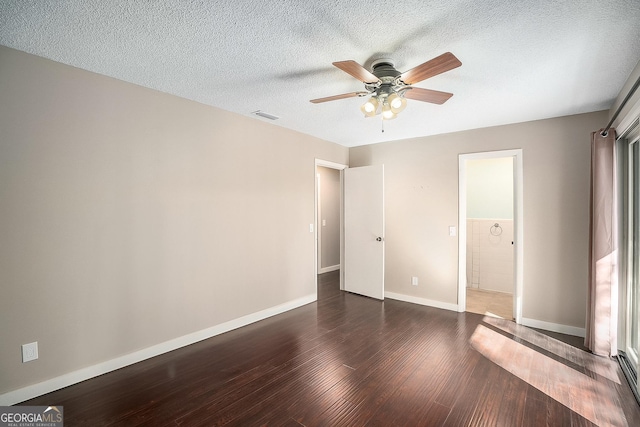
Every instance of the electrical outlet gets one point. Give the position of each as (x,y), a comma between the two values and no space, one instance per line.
(414,281)
(29,352)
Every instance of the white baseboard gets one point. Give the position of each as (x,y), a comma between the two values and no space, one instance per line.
(532,323)
(421,301)
(29,392)
(329,269)
(554,327)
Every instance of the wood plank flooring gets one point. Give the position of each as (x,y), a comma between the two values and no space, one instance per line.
(348,360)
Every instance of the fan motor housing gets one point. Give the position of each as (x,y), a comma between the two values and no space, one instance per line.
(384,67)
(384,70)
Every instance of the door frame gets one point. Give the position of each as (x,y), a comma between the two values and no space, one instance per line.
(341,167)
(625,142)
(518,225)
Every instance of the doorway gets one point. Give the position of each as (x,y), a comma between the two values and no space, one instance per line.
(490,233)
(361,201)
(328,214)
(490,236)
(328,223)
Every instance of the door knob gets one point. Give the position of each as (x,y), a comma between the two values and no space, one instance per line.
(379,239)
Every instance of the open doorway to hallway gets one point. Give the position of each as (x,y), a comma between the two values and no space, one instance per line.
(329,226)
(328,250)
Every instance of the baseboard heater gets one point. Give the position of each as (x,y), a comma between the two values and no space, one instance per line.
(630,374)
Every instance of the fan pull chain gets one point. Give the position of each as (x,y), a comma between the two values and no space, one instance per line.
(382,125)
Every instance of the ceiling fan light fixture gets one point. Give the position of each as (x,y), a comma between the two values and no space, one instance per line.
(396,103)
(370,107)
(389,88)
(387,112)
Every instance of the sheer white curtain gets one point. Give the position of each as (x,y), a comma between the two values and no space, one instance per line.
(602,307)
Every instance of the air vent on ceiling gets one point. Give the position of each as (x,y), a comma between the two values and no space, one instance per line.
(265,115)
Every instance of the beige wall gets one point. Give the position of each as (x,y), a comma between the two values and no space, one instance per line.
(130,217)
(421,190)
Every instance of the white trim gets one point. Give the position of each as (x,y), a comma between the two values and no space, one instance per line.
(518,186)
(518,224)
(421,301)
(462,234)
(29,392)
(628,119)
(554,327)
(330,165)
(329,269)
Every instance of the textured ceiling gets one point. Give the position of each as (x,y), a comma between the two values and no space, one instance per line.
(521,60)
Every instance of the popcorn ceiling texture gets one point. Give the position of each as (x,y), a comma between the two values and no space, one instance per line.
(523,60)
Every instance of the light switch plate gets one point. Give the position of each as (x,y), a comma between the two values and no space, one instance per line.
(452,231)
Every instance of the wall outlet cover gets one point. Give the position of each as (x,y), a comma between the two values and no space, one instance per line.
(29,352)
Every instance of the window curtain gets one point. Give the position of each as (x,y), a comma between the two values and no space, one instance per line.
(602,298)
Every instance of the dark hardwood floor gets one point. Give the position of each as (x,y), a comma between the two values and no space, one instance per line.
(348,360)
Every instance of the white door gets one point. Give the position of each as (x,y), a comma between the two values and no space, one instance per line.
(364,231)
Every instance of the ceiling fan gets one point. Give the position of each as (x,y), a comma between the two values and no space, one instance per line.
(390,89)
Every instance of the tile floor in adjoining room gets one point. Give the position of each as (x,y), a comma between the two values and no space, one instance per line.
(482,301)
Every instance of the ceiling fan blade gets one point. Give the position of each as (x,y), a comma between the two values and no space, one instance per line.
(438,65)
(357,71)
(427,95)
(341,96)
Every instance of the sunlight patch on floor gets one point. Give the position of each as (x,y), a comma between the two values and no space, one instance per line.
(599,365)
(586,396)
